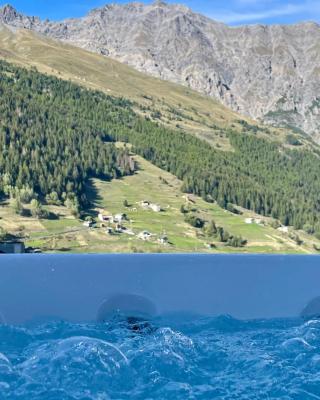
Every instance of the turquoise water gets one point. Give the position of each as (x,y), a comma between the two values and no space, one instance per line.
(219,358)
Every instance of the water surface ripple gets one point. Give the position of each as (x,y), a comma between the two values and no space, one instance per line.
(218,358)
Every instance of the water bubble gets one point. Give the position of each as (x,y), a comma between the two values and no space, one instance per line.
(3,359)
(75,363)
(209,359)
(296,344)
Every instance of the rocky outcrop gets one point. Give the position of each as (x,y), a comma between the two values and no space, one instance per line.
(10,16)
(266,72)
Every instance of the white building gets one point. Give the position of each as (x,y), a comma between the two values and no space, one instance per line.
(145,235)
(283,229)
(144,203)
(163,239)
(88,224)
(155,207)
(119,218)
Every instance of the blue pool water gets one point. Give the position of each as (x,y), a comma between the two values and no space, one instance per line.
(219,358)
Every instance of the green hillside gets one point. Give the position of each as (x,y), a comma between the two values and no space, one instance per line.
(173,105)
(67,233)
(60,165)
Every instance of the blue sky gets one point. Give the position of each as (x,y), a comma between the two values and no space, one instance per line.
(232,12)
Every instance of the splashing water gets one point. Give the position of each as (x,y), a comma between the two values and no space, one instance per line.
(219,358)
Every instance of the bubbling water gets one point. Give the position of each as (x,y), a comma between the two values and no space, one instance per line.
(218,358)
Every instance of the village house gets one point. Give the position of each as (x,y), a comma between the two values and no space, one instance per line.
(12,247)
(144,235)
(155,207)
(283,229)
(163,239)
(88,224)
(148,205)
(257,221)
(119,228)
(105,218)
(118,218)
(144,203)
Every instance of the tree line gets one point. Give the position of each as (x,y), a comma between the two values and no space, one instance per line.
(55,135)
(259,174)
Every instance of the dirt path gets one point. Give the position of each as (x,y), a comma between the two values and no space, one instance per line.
(81,240)
(52,235)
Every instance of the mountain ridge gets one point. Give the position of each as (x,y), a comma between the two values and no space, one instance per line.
(186,111)
(264,72)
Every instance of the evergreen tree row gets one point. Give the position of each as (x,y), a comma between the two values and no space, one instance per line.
(54,135)
(259,174)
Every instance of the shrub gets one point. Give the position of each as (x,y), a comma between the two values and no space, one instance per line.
(36,209)
(308,228)
(211,229)
(73,205)
(223,235)
(194,221)
(17,206)
(293,140)
(183,209)
(296,238)
(26,194)
(236,241)
(53,199)
(316,247)
(230,207)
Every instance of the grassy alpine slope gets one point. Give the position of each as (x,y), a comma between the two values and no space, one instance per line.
(173,105)
(262,172)
(67,234)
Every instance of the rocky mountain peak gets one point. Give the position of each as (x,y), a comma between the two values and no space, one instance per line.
(159,3)
(8,13)
(266,72)
(7,8)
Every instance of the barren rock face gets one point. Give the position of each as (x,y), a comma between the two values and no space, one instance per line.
(10,16)
(267,72)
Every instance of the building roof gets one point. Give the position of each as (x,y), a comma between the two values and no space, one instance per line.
(17,241)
